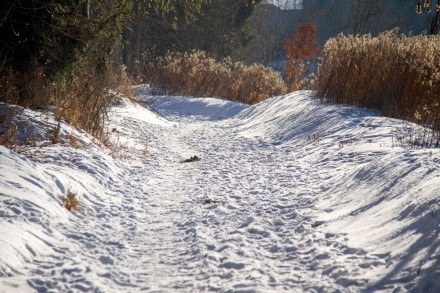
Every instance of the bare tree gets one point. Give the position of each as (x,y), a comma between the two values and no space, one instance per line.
(425,5)
(269,26)
(365,15)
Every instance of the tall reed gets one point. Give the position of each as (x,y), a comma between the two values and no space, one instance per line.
(395,74)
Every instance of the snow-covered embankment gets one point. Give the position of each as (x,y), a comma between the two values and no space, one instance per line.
(288,195)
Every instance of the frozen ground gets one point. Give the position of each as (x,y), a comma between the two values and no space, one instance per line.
(288,196)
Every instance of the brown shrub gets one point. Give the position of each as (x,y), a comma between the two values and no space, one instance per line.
(82,102)
(395,74)
(197,74)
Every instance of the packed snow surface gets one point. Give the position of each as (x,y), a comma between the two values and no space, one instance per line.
(200,194)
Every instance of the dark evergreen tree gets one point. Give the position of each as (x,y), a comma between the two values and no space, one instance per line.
(55,37)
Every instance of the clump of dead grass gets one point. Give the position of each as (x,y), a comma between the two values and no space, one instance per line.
(395,74)
(8,130)
(197,74)
(71,202)
(15,131)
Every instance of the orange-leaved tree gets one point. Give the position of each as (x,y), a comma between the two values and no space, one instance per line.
(301,47)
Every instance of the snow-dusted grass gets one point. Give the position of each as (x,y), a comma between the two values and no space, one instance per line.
(288,195)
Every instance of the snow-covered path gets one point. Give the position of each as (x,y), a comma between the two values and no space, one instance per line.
(266,208)
(238,219)
(248,209)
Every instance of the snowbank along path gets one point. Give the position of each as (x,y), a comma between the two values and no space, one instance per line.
(288,196)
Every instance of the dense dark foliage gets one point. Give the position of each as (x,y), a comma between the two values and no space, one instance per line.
(56,39)
(217,28)
(61,53)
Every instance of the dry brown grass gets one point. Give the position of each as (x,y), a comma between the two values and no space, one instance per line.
(82,102)
(15,132)
(71,202)
(398,75)
(74,143)
(122,82)
(8,130)
(197,74)
(8,86)
(80,98)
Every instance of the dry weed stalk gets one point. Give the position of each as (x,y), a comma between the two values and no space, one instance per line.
(83,101)
(8,138)
(8,130)
(73,142)
(122,82)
